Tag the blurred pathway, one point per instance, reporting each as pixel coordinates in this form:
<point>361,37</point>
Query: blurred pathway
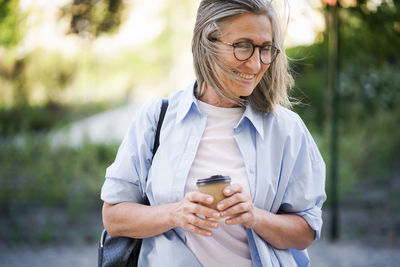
<point>322,253</point>
<point>352,254</point>
<point>106,127</point>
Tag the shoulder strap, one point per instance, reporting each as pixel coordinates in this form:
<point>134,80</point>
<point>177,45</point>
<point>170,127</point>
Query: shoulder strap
<point>164,107</point>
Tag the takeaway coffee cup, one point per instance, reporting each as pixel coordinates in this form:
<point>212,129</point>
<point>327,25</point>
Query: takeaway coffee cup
<point>214,186</point>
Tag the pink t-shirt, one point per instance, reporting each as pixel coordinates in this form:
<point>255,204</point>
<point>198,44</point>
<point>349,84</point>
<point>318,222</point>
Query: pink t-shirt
<point>218,153</point>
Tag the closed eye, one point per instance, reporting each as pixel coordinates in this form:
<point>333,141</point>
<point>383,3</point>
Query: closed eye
<point>267,48</point>
<point>243,45</point>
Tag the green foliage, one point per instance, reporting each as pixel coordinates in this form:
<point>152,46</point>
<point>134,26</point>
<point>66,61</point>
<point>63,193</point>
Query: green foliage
<point>309,68</point>
<point>90,18</point>
<point>40,76</point>
<point>11,23</point>
<point>368,151</point>
<point>374,34</point>
<point>43,77</point>
<point>24,118</point>
<point>369,91</point>
<point>36,78</point>
<point>40,119</point>
<point>45,235</point>
<point>32,172</point>
<point>369,58</point>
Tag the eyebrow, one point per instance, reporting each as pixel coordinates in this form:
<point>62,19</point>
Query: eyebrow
<point>251,41</point>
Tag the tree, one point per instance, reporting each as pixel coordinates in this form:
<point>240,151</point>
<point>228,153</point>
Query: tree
<point>11,23</point>
<point>369,89</point>
<point>90,18</point>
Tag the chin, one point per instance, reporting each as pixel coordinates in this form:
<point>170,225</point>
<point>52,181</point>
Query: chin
<point>244,91</point>
<point>245,88</point>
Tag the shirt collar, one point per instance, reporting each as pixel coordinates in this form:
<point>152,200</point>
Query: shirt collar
<point>186,103</point>
<point>256,118</point>
<point>189,101</point>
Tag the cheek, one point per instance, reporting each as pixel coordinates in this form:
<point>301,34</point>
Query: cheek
<point>233,63</point>
<point>265,68</point>
<point>221,75</point>
<point>229,60</point>
<point>263,71</point>
<point>229,65</point>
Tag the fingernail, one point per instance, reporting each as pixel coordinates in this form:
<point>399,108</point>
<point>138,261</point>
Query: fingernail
<point>223,214</point>
<point>220,206</point>
<point>227,191</point>
<point>209,234</point>
<point>210,199</point>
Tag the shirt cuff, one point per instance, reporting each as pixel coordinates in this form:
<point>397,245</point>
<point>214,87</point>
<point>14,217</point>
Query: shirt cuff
<point>116,190</point>
<point>314,220</point>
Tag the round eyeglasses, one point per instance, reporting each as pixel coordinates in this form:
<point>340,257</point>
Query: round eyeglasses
<point>245,50</point>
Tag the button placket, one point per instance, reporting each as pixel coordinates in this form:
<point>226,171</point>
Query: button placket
<point>187,159</point>
<point>248,153</point>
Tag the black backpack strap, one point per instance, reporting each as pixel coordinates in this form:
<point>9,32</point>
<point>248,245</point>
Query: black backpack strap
<point>123,251</point>
<point>164,107</point>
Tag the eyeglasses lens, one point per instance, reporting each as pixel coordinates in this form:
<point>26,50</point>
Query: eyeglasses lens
<point>268,54</point>
<point>244,51</point>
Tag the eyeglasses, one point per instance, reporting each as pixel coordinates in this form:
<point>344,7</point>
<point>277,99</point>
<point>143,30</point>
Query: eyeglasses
<point>245,50</point>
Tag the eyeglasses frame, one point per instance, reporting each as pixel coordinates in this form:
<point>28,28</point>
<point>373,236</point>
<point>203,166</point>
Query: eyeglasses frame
<point>254,49</point>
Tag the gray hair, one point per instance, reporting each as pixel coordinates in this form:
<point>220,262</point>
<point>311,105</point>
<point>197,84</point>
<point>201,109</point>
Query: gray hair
<point>212,15</point>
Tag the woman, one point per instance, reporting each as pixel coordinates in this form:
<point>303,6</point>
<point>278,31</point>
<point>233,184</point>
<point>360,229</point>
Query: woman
<point>231,121</point>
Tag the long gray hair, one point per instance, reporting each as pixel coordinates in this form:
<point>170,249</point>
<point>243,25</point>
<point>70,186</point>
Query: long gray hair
<point>211,18</point>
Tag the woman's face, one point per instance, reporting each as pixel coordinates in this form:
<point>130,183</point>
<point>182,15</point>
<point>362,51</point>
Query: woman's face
<point>249,28</point>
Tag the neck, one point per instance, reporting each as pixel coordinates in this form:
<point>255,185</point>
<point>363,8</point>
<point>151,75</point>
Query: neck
<point>210,97</point>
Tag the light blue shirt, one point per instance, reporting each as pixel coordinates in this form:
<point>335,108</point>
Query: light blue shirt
<point>285,170</point>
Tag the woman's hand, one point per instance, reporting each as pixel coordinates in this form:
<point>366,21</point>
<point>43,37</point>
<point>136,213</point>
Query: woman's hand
<point>186,213</point>
<point>238,206</point>
<point>282,231</point>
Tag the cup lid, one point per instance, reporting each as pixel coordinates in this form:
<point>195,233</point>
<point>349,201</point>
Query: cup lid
<point>215,179</point>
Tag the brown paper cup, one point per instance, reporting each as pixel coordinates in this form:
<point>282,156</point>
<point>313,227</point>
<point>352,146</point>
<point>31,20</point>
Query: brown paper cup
<point>214,186</point>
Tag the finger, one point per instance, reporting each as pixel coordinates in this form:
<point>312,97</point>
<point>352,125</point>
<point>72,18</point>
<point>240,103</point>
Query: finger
<point>201,222</point>
<point>236,209</point>
<point>195,208</point>
<point>242,218</point>
<point>196,225</point>
<point>199,197</point>
<point>229,190</point>
<point>232,200</point>
<point>207,212</point>
<point>197,230</point>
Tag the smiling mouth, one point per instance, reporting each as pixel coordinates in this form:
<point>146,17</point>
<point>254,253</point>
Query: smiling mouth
<point>244,75</point>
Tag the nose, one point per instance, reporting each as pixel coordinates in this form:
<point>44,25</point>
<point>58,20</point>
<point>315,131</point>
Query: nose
<point>254,62</point>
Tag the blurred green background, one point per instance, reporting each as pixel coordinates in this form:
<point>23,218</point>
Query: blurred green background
<point>62,61</point>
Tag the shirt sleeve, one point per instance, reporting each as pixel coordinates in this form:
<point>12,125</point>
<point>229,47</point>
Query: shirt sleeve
<point>305,192</point>
<point>127,175</point>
